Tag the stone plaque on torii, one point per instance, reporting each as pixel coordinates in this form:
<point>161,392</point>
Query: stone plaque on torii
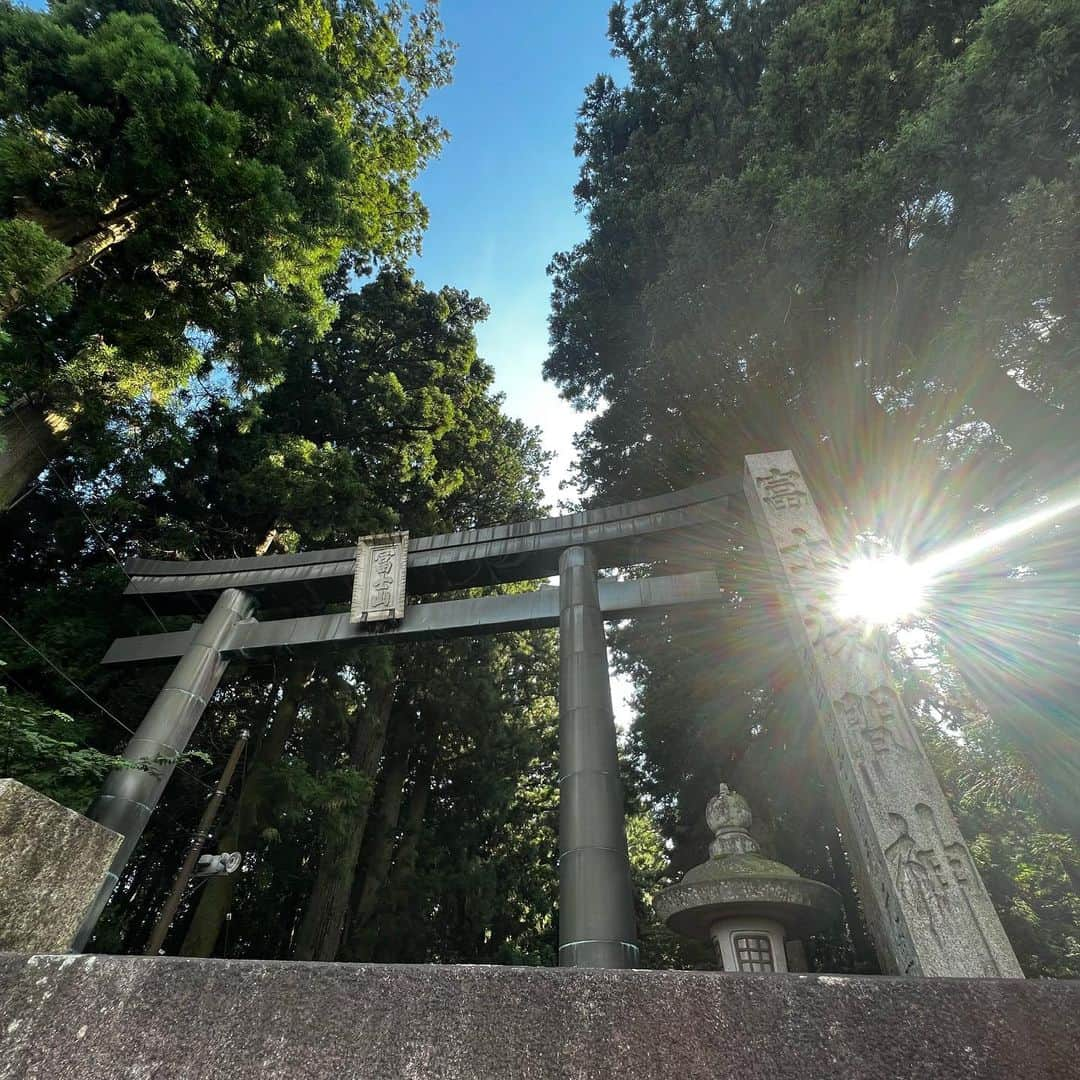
<point>926,906</point>
<point>378,593</point>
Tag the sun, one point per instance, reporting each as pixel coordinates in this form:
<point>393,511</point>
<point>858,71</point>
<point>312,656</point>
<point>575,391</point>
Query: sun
<point>880,590</point>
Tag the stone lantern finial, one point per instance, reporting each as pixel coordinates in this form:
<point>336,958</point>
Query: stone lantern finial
<point>754,909</point>
<point>728,816</point>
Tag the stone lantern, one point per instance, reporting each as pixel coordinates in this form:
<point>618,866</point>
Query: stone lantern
<point>755,910</point>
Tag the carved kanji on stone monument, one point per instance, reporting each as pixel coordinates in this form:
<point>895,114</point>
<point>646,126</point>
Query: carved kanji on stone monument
<point>927,907</point>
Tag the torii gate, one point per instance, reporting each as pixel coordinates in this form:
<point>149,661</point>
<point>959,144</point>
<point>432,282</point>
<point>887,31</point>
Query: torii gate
<point>927,908</point>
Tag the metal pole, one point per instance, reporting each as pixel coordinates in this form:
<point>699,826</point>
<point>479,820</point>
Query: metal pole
<point>596,905</point>
<point>198,841</point>
<point>129,796</point>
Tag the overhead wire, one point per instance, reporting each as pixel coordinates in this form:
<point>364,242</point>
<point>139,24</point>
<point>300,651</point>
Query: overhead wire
<point>55,471</point>
<point>86,694</point>
<point>53,468</point>
<point>177,826</point>
<point>64,675</point>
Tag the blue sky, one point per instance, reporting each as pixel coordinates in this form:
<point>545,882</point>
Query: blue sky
<point>500,195</point>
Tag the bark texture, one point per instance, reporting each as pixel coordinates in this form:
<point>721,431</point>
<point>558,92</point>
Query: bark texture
<point>323,924</point>
<point>84,249</point>
<point>217,894</point>
<point>31,437</point>
<point>389,869</point>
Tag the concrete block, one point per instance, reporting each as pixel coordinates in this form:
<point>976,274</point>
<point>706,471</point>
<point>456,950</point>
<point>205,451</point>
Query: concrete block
<point>52,863</point>
<point>104,1017</point>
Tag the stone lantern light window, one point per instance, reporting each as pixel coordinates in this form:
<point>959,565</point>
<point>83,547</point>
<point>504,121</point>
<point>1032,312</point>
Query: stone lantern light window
<point>753,952</point>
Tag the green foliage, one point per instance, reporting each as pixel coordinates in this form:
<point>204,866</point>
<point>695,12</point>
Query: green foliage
<point>849,229</point>
<point>484,888</point>
<point>28,260</point>
<point>196,174</point>
<point>386,420</point>
<point>1032,871</point>
<point>844,227</point>
<point>41,747</point>
<point>785,205</point>
<point>45,749</point>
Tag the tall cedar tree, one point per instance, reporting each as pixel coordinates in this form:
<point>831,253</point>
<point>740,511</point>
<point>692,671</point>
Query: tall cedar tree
<point>177,180</point>
<point>847,227</point>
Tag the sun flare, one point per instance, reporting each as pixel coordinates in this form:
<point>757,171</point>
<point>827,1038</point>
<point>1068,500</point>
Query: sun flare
<point>880,590</point>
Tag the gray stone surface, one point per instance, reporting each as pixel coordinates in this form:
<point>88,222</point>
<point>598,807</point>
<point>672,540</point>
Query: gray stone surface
<point>800,905</point>
<point>378,590</point>
<point>52,863</point>
<point>926,905</point>
<point>737,880</point>
<point>103,1018</point>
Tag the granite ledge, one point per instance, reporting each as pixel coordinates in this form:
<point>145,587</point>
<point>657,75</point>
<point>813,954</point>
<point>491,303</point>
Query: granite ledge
<point>90,1017</point>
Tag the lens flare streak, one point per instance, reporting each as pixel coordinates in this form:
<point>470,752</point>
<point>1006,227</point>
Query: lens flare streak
<point>964,551</point>
<point>886,589</point>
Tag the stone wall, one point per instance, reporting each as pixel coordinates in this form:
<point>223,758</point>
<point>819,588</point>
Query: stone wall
<point>52,864</point>
<point>94,1017</point>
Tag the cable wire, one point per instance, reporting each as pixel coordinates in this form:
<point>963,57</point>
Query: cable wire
<point>89,697</point>
<point>64,675</point>
<point>177,827</point>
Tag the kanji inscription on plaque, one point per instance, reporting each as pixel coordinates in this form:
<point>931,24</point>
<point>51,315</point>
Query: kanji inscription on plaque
<point>379,579</point>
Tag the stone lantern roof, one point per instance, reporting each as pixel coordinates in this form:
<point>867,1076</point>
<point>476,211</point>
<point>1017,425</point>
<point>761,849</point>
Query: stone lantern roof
<point>738,880</point>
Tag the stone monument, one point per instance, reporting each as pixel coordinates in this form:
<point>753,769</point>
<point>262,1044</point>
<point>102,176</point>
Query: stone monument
<point>927,908</point>
<point>52,863</point>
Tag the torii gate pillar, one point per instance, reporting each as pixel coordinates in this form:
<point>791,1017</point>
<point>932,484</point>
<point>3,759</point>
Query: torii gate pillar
<point>596,902</point>
<point>129,796</point>
<point>926,905</point>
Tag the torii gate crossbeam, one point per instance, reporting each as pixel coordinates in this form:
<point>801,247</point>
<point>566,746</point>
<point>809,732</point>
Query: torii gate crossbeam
<point>596,914</point>
<point>926,906</point>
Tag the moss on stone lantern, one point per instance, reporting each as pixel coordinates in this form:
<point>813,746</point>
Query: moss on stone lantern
<point>755,910</point>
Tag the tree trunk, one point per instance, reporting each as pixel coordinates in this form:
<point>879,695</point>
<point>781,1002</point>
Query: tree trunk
<point>381,849</point>
<point>112,230</point>
<point>266,543</point>
<point>217,893</point>
<point>31,437</point>
<point>408,849</point>
<point>323,924</point>
<point>380,866</point>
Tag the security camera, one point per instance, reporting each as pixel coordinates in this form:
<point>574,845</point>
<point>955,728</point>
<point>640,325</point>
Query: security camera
<point>228,862</point>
